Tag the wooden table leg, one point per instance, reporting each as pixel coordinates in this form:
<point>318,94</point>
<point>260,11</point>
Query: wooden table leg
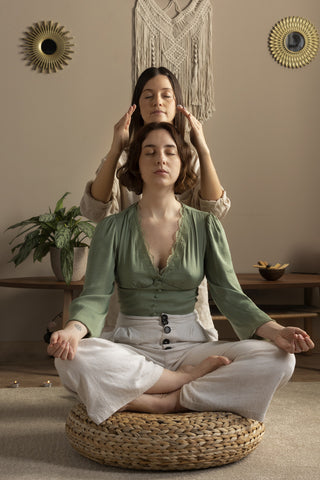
<point>68,295</point>
<point>307,322</point>
<point>67,299</point>
<point>308,301</point>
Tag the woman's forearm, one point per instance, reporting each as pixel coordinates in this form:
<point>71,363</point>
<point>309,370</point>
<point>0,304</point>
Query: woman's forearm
<point>101,188</point>
<point>210,187</point>
<point>269,330</point>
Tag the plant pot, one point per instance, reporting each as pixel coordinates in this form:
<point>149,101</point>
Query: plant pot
<point>79,263</point>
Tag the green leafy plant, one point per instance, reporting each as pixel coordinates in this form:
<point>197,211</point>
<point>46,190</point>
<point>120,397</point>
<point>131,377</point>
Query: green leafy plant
<point>63,229</point>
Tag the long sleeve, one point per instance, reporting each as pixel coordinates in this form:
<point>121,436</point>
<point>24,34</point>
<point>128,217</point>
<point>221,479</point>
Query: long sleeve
<point>193,199</point>
<point>91,307</point>
<point>96,210</point>
<point>219,207</point>
<point>121,198</point>
<point>244,316</point>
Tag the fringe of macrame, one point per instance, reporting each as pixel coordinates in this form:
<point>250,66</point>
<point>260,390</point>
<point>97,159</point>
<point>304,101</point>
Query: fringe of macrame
<point>183,45</point>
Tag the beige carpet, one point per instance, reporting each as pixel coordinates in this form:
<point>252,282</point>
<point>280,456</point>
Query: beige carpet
<point>33,445</point>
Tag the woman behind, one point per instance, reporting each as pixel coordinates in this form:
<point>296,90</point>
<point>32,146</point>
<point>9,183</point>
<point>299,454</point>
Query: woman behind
<point>157,97</point>
<point>159,358</point>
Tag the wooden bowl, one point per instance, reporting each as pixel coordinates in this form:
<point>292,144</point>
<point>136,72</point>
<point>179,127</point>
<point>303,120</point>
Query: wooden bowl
<point>271,273</point>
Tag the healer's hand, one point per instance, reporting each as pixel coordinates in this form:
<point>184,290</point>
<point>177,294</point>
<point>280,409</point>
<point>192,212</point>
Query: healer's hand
<point>196,131</point>
<point>121,131</point>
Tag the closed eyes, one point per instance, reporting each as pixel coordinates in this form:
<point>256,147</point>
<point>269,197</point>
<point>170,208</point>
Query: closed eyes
<point>151,94</point>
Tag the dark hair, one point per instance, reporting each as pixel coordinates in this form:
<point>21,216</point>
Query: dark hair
<point>129,174</point>
<point>137,121</point>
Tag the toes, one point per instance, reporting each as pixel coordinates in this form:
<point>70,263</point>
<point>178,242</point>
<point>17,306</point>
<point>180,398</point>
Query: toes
<point>224,360</point>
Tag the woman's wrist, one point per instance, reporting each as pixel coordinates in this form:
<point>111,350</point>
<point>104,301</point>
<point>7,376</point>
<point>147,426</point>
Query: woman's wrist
<point>112,157</point>
<point>114,153</point>
<point>78,329</point>
<point>269,330</point>
<point>204,153</point>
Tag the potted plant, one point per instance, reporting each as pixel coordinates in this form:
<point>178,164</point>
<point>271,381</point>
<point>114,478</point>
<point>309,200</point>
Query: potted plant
<point>61,232</point>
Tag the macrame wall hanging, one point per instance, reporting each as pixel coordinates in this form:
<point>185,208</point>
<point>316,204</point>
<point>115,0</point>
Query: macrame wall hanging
<point>182,43</point>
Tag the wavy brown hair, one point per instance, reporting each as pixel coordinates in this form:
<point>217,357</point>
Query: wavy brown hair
<point>129,174</point>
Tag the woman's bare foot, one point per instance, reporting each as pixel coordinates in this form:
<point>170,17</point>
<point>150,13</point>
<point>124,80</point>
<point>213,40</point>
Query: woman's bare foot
<point>159,403</point>
<point>207,365</point>
<point>154,401</point>
<point>170,381</point>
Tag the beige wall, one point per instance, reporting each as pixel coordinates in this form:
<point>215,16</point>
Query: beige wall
<point>55,128</point>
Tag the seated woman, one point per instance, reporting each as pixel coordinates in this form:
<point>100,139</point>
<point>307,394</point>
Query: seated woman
<point>159,358</point>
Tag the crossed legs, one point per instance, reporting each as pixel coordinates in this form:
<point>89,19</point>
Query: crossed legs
<point>164,395</point>
<point>243,380</point>
<point>239,377</point>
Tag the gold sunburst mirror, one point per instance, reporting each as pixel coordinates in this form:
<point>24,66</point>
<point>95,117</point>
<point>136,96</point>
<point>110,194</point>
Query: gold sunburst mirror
<point>47,47</point>
<point>293,42</point>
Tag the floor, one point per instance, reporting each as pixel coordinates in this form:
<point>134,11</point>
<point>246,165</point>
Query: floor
<point>29,364</point>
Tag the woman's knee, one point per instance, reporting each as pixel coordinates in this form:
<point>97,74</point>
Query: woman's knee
<point>264,356</point>
<point>288,366</point>
<point>277,360</point>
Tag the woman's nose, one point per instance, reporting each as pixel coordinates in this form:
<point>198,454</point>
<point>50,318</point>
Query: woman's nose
<point>158,99</point>
<point>161,158</point>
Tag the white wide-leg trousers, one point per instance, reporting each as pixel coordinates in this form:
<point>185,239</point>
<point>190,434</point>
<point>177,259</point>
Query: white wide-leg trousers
<point>108,374</point>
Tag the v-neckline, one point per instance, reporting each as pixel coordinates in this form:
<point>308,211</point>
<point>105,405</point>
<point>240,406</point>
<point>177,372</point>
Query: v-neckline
<point>160,271</point>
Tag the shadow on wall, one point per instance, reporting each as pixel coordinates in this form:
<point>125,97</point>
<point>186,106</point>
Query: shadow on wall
<point>305,261</point>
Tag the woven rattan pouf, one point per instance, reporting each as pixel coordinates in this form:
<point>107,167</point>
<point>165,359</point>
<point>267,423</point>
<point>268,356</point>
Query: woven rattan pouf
<point>176,441</point>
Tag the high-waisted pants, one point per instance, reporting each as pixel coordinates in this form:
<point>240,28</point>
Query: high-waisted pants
<point>106,374</point>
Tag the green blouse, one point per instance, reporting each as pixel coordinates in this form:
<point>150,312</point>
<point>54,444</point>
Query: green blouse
<point>119,254</point>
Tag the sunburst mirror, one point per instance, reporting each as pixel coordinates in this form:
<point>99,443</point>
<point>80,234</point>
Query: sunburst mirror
<point>293,42</point>
<point>47,47</point>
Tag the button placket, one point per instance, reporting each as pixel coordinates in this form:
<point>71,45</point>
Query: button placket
<point>164,320</point>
